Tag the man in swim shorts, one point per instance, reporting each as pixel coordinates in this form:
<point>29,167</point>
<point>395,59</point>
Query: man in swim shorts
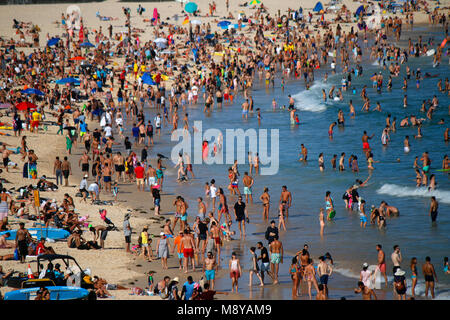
<point>276,257</point>
<point>248,183</point>
<point>210,267</point>
<point>382,263</point>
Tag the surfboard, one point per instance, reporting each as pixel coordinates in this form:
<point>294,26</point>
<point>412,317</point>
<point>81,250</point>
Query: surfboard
<point>56,293</point>
<point>50,233</point>
<point>443,170</point>
<point>431,52</point>
<point>6,128</point>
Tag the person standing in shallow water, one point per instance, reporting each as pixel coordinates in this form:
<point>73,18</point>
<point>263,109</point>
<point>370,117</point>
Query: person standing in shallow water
<point>433,209</point>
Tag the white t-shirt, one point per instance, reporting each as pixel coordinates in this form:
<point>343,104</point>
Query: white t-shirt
<point>212,191</point>
<point>108,131</point>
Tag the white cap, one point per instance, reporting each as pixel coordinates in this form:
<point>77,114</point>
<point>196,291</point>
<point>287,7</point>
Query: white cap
<point>365,265</point>
<point>86,176</point>
<point>399,273</point>
<point>162,234</point>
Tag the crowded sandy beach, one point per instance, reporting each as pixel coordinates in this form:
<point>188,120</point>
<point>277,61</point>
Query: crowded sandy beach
<point>119,182</point>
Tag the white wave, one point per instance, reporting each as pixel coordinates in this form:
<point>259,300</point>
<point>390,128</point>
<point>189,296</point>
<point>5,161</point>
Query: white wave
<point>399,191</point>
<point>311,100</point>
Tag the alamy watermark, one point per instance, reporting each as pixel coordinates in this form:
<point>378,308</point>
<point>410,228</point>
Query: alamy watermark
<point>214,147</point>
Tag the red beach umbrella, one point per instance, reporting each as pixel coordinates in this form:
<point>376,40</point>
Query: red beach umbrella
<point>78,58</point>
<point>22,106</point>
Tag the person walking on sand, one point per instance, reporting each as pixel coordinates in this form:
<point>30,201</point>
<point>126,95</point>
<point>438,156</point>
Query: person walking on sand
<point>188,250</point>
<point>430,274</point>
<point>127,231</point>
<point>248,183</point>
<point>240,213</point>
<point>66,170</point>
<point>265,198</point>
<point>235,271</point>
<point>254,269</point>
<point>209,268</point>
<point>276,257</point>
<point>285,200</point>
<point>310,277</point>
<point>163,248</point>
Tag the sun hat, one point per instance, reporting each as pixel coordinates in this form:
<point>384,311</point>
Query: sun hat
<point>176,279</point>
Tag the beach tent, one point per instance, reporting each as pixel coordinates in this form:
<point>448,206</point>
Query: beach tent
<point>318,7</point>
<point>359,10</point>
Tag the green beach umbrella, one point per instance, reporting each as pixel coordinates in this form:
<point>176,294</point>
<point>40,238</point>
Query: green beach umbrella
<point>191,7</point>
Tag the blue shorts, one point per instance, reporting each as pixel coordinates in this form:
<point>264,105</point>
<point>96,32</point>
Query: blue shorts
<point>157,201</point>
<point>324,279</point>
<point>363,219</point>
<point>210,274</point>
<point>184,217</point>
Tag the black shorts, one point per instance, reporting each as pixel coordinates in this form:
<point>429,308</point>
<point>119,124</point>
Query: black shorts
<point>103,234</point>
<point>108,150</point>
<point>202,236</point>
<point>127,239</point>
<point>5,161</point>
<point>120,168</point>
<point>85,167</point>
<point>66,173</point>
<point>142,135</point>
<point>240,218</point>
<point>219,99</point>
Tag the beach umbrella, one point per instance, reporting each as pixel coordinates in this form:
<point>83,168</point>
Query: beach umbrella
<point>155,16</point>
<point>25,105</point>
<point>253,2</point>
<point>87,44</point>
<point>196,22</point>
<point>191,7</point>
<point>52,42</point>
<point>236,26</point>
<point>33,91</point>
<point>209,36</point>
<point>224,24</point>
<point>318,7</point>
<point>147,79</point>
<point>78,58</point>
<point>68,80</point>
<point>359,10</point>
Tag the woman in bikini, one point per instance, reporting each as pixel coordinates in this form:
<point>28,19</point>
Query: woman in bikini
<point>265,198</point>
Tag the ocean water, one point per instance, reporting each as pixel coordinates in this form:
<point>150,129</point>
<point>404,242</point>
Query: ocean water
<point>393,179</point>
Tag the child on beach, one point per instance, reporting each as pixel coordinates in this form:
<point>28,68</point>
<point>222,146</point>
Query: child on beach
<point>115,190</point>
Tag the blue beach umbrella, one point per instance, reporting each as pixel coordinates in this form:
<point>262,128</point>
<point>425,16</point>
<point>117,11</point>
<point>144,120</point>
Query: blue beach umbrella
<point>52,42</point>
<point>68,80</point>
<point>191,7</point>
<point>87,44</point>
<point>33,91</point>
<point>147,79</point>
<point>318,7</point>
<point>359,10</point>
<point>209,36</point>
<point>223,24</point>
